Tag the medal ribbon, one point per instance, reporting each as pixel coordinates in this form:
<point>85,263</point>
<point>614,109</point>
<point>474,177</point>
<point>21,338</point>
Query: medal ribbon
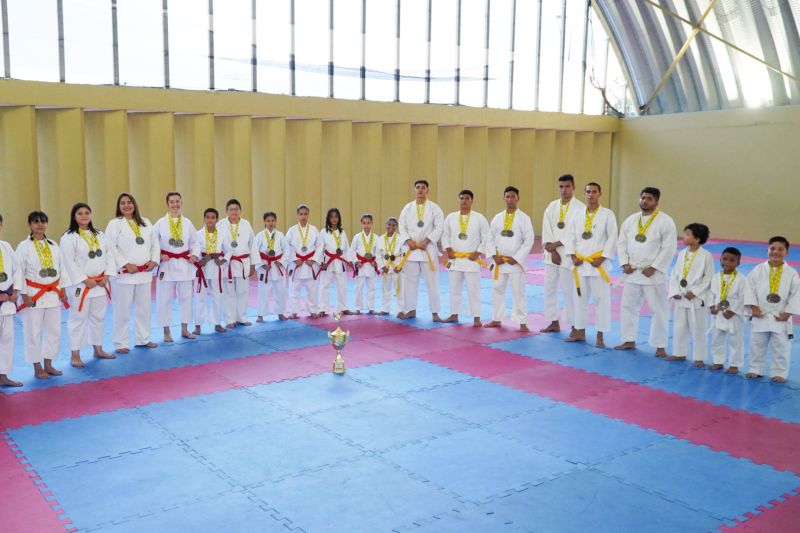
<point>44,253</point>
<point>211,241</point>
<point>389,245</point>
<point>2,263</point>
<point>367,247</point>
<point>775,278</point>
<point>462,224</point>
<point>687,265</point>
<point>175,228</point>
<point>724,286</point>
<point>271,241</point>
<point>234,230</point>
<point>587,226</point>
<point>508,221</point>
<point>643,229</point>
<point>90,239</point>
<point>134,227</point>
<point>303,238</point>
<point>420,212</point>
<point>562,211</point>
<point>337,236</point>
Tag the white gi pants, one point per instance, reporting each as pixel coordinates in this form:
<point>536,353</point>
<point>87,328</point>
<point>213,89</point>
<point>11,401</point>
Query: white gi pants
<point>165,292</point>
<point>340,278</point>
<point>276,287</point>
<point>656,295</point>
<point>41,329</point>
<point>599,291</point>
<point>86,325</point>
<point>235,292</point>
<point>6,343</point>
<point>389,283</point>
<point>411,272</point>
<point>781,353</point>
<point>209,304</point>
<point>473,279</point>
<point>127,295</point>
<point>734,340</point>
<point>519,302</point>
<point>690,323</point>
<point>555,277</point>
<point>369,302</point>
<point>310,285</point>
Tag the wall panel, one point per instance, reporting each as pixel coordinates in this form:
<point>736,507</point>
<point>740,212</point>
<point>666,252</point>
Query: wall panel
<point>337,170</point>
<point>106,161</point>
<point>268,138</point>
<point>476,145</point>
<point>396,170</point>
<point>233,167</point>
<point>303,169</point>
<point>151,160</point>
<point>19,171</point>
<point>498,169</point>
<point>194,165</point>
<point>367,167</point>
<point>450,167</point>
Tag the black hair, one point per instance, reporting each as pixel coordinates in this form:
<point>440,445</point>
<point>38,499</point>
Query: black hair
<point>136,216</point>
<point>172,193</point>
<point>268,214</point>
<point>700,231</point>
<point>232,201</point>
<point>778,238</point>
<point>1,219</point>
<point>366,215</point>
<point>302,206</point>
<point>652,190</point>
<point>733,251</point>
<point>467,192</point>
<point>210,210</point>
<point>392,218</point>
<point>599,188</point>
<point>511,188</point>
<point>328,226</point>
<point>73,225</point>
<point>424,182</point>
<point>567,177</point>
<point>38,216</point>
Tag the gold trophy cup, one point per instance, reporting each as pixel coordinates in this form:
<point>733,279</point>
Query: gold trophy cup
<point>338,340</point>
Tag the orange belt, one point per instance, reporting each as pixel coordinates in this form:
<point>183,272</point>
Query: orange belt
<point>86,290</point>
<point>44,288</point>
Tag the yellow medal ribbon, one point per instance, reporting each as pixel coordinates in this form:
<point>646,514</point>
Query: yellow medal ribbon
<point>90,239</point>
<point>562,210</point>
<point>775,274</point>
<point>587,225</point>
<point>389,247</point>
<point>303,238</point>
<point>134,227</point>
<point>367,246</point>
<point>463,224</point>
<point>211,241</point>
<point>44,253</point>
<point>724,286</point>
<point>420,212</point>
<point>2,263</point>
<point>234,230</point>
<point>175,228</point>
<point>465,255</point>
<point>643,228</point>
<point>589,259</point>
<point>687,266</point>
<point>337,236</point>
<point>271,241</point>
<point>508,221</point>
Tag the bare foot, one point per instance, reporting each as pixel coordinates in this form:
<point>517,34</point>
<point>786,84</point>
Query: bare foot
<point>401,315</point>
<point>494,324</point>
<point>578,335</point>
<point>150,344</point>
<point>315,315</point>
<point>732,370</point>
<point>553,327</point>
<point>524,328</point>
<point>752,375</point>
<point>413,314</point>
<point>122,351</point>
<point>196,330</point>
<point>699,364</point>
<point>358,312</point>
<point>50,369</point>
<point>100,353</point>
<point>168,337</point>
<point>186,335</point>
<point>661,352</point>
<point>40,373</point>
<point>5,382</point>
<point>260,320</point>
<point>435,316</point>
<point>715,367</point>
<point>626,346</point>
<point>283,317</point>
<point>778,379</point>
<point>75,360</point>
<point>245,323</point>
<point>450,319</point>
<point>294,316</point>
<point>383,313</point>
<point>599,342</point>
<point>476,322</point>
<point>676,358</point>
<point>220,329</point>
<point>231,325</point>
<point>347,312</point>
<point>371,312</point>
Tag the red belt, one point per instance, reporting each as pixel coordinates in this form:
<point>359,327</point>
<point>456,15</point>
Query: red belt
<point>334,257</point>
<point>43,289</point>
<point>271,259</point>
<point>185,255</point>
<point>370,260</point>
<point>86,290</point>
<point>237,258</point>
<point>203,276</point>
<point>141,268</point>
<point>305,258</point>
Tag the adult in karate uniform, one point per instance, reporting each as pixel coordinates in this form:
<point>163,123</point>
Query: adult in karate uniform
<point>465,239</point>
<point>136,253</point>
<point>557,266</point>
<point>11,283</point>
<point>421,225</point>
<point>646,246</point>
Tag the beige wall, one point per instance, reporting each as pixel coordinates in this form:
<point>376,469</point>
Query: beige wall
<point>736,171</point>
<point>63,143</point>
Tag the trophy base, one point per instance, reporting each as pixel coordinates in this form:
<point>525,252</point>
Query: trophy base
<point>338,365</point>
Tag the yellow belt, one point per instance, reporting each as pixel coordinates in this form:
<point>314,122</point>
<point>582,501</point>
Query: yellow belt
<point>405,258</point>
<point>588,259</point>
<point>466,255</point>
<point>391,266</point>
<point>505,259</point>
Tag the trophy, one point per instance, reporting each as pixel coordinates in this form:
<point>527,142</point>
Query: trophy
<point>338,340</point>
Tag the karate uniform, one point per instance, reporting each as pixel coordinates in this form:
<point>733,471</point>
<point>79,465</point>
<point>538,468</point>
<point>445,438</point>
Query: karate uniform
<point>556,276</point>
<point>592,283</point>
<point>425,262</point>
<point>14,281</point>
<point>271,273</point>
<point>303,276</point>
<point>691,316</point>
<point>390,281</point>
<point>86,323</point>
<point>767,331</point>
<point>728,331</point>
<point>175,276</point>
<point>657,252</point>
<point>368,272</point>
<point>236,275</point>
<point>517,246</point>
<point>209,297</point>
<point>132,291</point>
<point>462,269</point>
<point>41,323</point>
<point>336,270</point>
